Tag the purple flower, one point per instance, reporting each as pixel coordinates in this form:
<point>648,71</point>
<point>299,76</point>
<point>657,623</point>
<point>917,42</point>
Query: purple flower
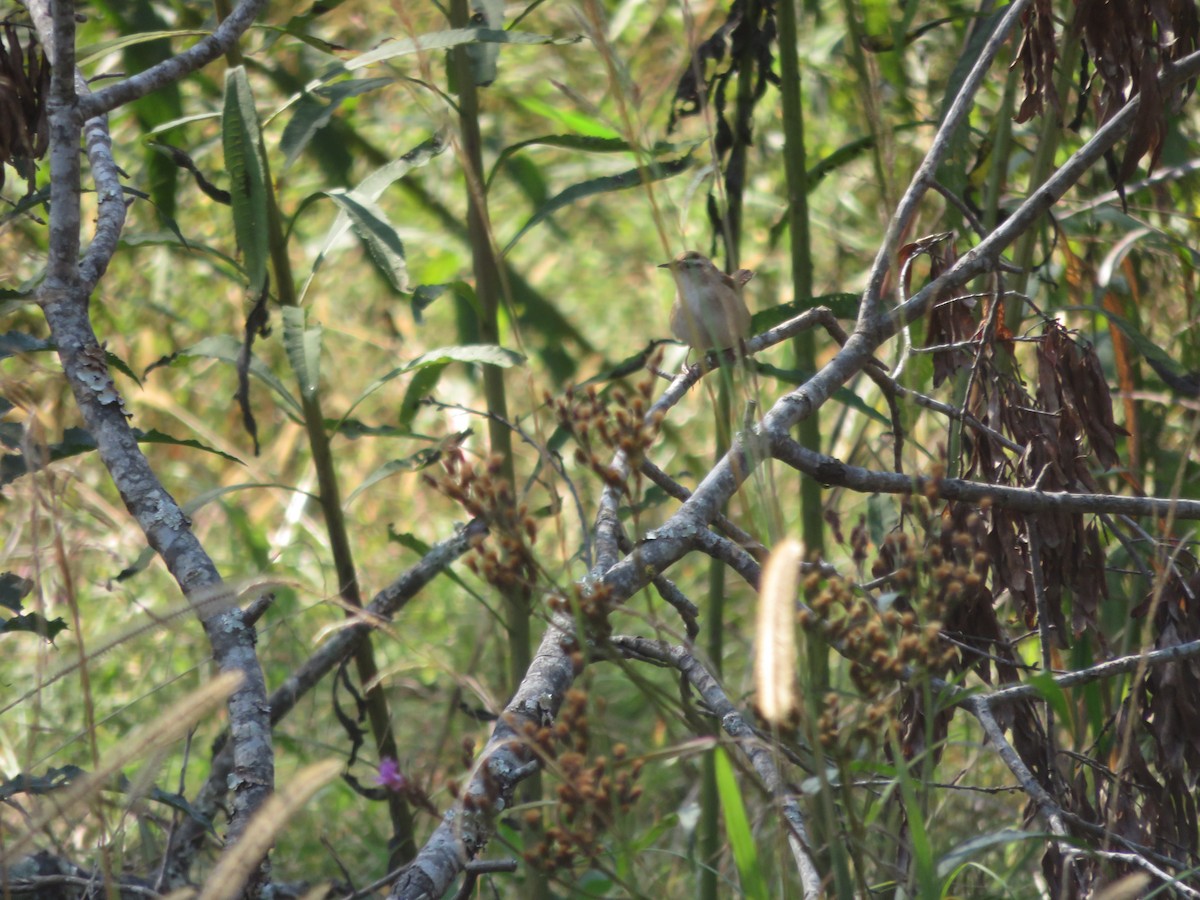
<point>390,776</point>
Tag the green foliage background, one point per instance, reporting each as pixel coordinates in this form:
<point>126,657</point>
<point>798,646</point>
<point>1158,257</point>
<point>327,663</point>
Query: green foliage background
<point>581,295</point>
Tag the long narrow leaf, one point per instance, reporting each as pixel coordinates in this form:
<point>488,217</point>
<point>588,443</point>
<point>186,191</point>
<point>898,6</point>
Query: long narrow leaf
<point>77,441</point>
<point>424,457</point>
<point>303,346</point>
<point>737,829</point>
<point>488,354</point>
<point>242,143</point>
<point>607,184</point>
<point>368,191</point>
<point>444,40</point>
<point>226,349</point>
<point>314,110</point>
<point>586,143</point>
<point>377,234</point>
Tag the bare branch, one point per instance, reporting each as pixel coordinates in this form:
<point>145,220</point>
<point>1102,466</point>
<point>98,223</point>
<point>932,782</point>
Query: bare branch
<point>757,751</point>
<point>1100,671</point>
<point>383,606</point>
<point>506,760</point>
<point>160,75</point>
<point>831,471</point>
<point>869,312</point>
<point>1050,811</point>
<point>63,297</point>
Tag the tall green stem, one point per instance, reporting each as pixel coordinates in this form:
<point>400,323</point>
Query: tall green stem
<point>488,291</point>
<point>804,347</point>
<point>404,846</point>
<point>805,353</point>
<point>404,842</point>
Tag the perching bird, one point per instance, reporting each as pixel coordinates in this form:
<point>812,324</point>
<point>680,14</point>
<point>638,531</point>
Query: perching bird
<point>709,312</point>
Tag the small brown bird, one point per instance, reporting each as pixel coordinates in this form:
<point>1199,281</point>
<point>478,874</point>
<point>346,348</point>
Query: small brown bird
<point>709,312</point>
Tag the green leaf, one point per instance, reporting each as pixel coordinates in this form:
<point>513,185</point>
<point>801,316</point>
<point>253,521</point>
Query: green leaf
<point>408,540</point>
<point>486,354</point>
<point>594,883</point>
<point>737,829</point>
<point>976,845</point>
<point>356,428</point>
<point>444,40</point>
<point>378,235</point>
<point>74,442</point>
<point>367,191</point>
<point>90,53</point>
<point>242,141</point>
<point>54,780</point>
<point>413,463</point>
<point>527,176</point>
<point>568,118</point>
<point>175,801</point>
<point>843,306</point>
<point>154,436</point>
<point>198,252</point>
<point>423,297</point>
<point>586,143</point>
<point>1052,693</point>
<point>226,349</point>
<point>1145,346</point>
<point>842,395</point>
<point>14,342</point>
<point>303,346</point>
<point>607,184</point>
<point>420,387</point>
<point>77,441</point>
<point>842,156</point>
<point>22,206</point>
<point>313,111</point>
<point>483,56</point>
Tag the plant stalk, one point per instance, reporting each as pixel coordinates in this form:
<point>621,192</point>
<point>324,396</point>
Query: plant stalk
<point>403,845</point>
<point>488,291</point>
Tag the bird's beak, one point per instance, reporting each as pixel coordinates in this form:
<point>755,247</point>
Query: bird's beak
<point>664,265</point>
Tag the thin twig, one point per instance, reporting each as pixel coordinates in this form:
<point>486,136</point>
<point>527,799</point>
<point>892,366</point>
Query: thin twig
<point>831,471</point>
<point>760,756</point>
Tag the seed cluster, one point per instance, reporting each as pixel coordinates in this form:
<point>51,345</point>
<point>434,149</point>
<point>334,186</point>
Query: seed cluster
<point>898,635</point>
<point>605,424</point>
<point>590,794</point>
<point>510,564</point>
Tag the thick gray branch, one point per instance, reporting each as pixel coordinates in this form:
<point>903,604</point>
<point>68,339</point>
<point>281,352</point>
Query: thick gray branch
<point>63,297</point>
<point>169,532</point>
<point>341,646</point>
<point>504,762</point>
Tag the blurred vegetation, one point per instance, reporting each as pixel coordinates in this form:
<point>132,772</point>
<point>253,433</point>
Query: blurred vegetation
<point>587,189</point>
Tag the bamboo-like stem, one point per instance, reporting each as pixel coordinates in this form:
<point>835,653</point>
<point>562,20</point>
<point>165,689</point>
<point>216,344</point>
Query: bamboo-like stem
<point>488,291</point>
<point>804,346</point>
<point>403,844</point>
